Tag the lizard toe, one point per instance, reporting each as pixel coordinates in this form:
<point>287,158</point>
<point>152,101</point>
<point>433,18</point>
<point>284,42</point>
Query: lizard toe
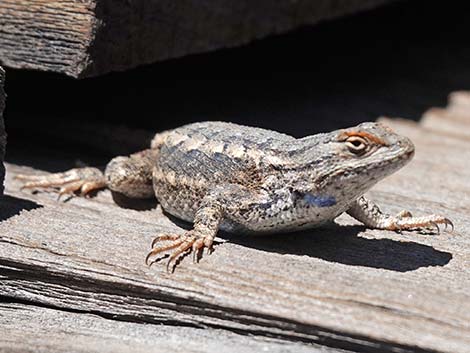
<point>158,249</point>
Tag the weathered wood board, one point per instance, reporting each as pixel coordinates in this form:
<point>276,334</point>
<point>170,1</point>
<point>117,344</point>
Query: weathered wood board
<point>3,136</point>
<point>342,286</point>
<point>92,37</point>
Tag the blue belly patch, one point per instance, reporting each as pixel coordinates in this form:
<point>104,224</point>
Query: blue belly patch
<point>319,201</point>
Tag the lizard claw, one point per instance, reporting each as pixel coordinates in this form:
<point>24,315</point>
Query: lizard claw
<point>448,222</point>
<point>435,225</point>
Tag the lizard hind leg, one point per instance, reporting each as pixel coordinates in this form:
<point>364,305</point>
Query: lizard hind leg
<point>81,180</point>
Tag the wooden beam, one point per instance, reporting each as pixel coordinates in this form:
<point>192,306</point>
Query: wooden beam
<point>92,37</point>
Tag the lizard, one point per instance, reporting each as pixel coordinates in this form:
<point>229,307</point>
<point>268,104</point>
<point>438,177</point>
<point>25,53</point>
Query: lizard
<point>224,176</point>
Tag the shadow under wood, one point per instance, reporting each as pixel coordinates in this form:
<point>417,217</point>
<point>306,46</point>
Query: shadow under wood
<point>11,206</point>
<point>342,244</point>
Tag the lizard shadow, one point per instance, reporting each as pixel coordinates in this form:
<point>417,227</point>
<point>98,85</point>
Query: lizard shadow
<point>342,244</point>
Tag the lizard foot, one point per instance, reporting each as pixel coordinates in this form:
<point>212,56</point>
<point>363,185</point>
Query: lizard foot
<point>182,244</point>
<point>79,180</point>
<point>405,221</point>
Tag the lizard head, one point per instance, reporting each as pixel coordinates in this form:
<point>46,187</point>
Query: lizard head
<point>356,158</point>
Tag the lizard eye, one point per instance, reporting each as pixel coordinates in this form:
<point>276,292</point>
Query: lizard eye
<point>356,144</point>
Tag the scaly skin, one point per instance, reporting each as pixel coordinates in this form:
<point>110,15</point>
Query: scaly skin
<point>244,179</point>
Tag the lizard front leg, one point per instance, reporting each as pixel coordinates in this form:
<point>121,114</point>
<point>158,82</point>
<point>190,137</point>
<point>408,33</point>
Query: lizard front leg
<point>217,205</point>
<point>369,213</point>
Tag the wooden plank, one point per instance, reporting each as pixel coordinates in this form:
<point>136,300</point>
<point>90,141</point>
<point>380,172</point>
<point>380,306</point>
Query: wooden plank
<point>92,37</point>
<point>3,136</point>
<point>50,330</point>
<point>342,286</point>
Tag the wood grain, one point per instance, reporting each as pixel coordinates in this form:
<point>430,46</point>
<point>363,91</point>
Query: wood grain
<point>92,37</point>
<point>342,286</point>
